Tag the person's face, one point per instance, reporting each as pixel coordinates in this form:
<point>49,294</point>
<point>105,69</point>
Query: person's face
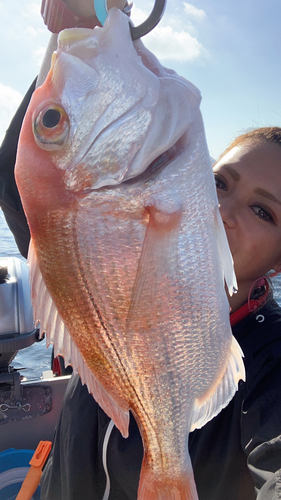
<point>248,181</point>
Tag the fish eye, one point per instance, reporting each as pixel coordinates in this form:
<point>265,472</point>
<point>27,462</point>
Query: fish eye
<point>51,127</point>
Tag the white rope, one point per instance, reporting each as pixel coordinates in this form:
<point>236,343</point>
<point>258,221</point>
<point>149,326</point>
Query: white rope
<point>104,452</point>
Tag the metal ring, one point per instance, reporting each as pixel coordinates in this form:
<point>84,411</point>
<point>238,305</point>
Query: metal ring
<point>151,21</point>
<point>260,318</point>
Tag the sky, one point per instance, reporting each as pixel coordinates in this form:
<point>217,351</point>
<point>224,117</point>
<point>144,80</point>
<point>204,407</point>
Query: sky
<point>228,49</point>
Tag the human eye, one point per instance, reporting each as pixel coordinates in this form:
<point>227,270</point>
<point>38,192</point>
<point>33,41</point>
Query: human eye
<point>220,182</point>
<point>263,213</point>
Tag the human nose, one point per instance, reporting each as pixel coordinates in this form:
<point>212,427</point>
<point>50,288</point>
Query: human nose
<point>228,211</point>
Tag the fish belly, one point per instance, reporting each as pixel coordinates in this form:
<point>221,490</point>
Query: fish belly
<point>174,346</point>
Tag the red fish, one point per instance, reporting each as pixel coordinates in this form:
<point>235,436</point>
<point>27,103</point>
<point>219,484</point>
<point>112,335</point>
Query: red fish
<point>129,255</point>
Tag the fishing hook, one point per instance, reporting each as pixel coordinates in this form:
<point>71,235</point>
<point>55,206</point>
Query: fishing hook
<point>150,23</point>
<point>136,31</point>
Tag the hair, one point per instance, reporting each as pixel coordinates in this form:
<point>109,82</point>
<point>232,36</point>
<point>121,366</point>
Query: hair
<point>267,134</point>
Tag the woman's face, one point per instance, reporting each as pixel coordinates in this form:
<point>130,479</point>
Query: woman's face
<point>248,180</point>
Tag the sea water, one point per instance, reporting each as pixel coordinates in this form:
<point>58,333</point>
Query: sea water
<point>37,358</point>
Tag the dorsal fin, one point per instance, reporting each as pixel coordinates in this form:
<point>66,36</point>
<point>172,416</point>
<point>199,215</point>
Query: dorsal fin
<point>225,254</point>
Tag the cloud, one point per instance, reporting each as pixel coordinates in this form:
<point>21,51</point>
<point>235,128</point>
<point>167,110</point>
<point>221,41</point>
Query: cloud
<point>171,42</point>
<point>9,102</point>
<point>31,11</point>
<point>30,32</point>
<point>25,34</point>
<point>139,15</point>
<point>166,43</point>
<point>38,55</point>
<point>194,12</point>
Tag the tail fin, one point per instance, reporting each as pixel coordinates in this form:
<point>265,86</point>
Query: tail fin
<point>155,488</point>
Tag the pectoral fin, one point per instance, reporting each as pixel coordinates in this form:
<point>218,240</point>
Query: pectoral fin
<point>158,257</point>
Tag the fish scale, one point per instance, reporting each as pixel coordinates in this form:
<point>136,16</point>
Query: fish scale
<point>128,254</point>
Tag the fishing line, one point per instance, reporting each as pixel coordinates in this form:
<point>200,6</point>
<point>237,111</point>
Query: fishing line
<point>104,452</point>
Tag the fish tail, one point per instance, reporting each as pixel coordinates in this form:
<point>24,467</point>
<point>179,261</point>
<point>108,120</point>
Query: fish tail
<point>180,488</point>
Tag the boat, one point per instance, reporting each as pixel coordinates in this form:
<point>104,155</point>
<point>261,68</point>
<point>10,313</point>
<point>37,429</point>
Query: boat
<point>29,409</point>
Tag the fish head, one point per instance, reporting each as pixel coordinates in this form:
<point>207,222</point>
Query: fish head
<point>106,110</point>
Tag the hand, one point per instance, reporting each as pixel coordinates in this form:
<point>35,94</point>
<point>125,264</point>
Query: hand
<point>86,8</point>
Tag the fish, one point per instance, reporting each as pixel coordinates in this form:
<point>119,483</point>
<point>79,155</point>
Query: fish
<point>128,257</point>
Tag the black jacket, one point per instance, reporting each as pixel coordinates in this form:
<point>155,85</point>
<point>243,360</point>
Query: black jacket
<point>9,196</point>
<point>236,456</point>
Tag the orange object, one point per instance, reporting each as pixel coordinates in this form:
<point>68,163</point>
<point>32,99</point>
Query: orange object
<point>33,476</point>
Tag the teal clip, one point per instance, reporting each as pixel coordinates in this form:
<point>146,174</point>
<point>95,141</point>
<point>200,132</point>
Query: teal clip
<point>138,31</point>
<point>101,10</point>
